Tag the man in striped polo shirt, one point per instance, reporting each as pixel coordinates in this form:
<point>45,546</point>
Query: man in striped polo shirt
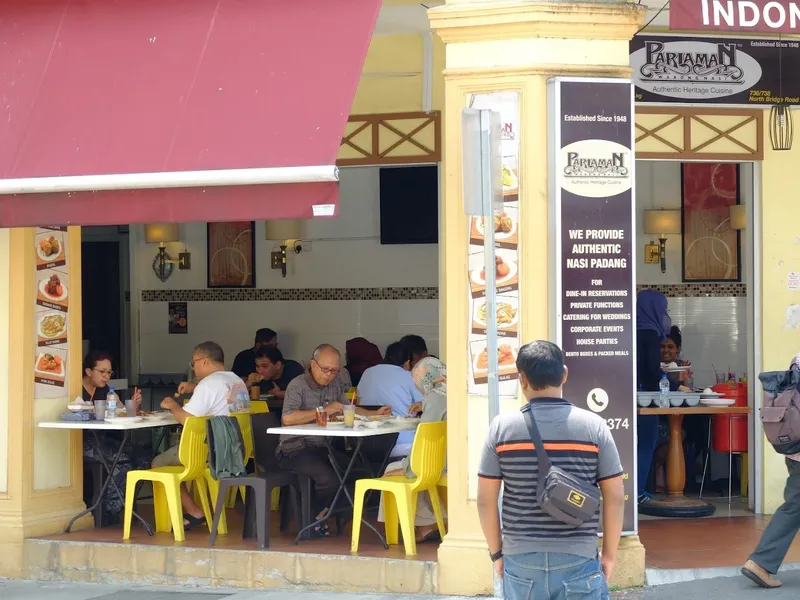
<point>538,556</point>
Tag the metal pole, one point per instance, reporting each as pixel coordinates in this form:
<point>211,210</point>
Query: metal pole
<point>490,271</point>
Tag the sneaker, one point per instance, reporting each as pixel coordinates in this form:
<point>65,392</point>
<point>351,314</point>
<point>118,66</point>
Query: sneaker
<point>759,576</point>
<point>645,497</point>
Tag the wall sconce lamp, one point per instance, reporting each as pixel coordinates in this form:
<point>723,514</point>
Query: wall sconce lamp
<point>162,234</point>
<point>661,223</point>
<point>738,216</point>
<point>289,235</point>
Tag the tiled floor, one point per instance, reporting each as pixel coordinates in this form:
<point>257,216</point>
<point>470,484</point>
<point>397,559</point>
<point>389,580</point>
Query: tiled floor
<point>704,543</point>
<point>279,542</point>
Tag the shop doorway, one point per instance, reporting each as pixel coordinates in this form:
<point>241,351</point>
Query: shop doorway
<point>710,278</point>
<point>105,280</point>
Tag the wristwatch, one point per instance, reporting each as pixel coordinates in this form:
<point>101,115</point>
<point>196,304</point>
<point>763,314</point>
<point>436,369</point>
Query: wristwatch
<point>496,556</point>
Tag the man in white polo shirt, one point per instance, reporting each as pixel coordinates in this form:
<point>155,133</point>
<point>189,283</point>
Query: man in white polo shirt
<point>217,390</point>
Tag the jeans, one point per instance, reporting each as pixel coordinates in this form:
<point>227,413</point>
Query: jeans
<point>783,526</point>
<point>553,576</point>
<point>647,433</point>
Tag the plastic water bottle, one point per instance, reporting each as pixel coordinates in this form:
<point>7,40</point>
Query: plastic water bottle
<point>112,400</point>
<point>663,389</point>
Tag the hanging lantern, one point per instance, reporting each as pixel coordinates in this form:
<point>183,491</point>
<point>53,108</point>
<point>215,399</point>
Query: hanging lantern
<point>781,128</point>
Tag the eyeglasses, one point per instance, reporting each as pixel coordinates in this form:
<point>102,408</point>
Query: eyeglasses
<point>104,373</point>
<point>327,370</point>
<point>195,360</point>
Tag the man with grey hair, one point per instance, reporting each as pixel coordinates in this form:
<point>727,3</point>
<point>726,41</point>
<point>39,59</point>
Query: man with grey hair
<point>324,384</point>
<point>216,391</point>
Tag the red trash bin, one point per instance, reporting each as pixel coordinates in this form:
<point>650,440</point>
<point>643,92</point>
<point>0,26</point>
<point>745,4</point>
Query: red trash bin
<point>729,432</point>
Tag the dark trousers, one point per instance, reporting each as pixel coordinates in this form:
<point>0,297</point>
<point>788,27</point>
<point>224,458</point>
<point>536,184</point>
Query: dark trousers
<point>315,464</point>
<point>647,434</point>
<point>783,527</point>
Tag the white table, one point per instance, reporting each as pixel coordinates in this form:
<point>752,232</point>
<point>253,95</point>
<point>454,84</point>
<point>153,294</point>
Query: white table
<point>125,428</point>
<point>359,432</point>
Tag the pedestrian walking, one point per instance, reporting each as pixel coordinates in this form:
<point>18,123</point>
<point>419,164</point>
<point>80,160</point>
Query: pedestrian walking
<point>550,457</point>
<point>780,416</point>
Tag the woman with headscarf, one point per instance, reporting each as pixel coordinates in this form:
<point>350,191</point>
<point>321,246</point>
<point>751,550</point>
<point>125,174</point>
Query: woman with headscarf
<point>360,354</point>
<point>430,377</point>
<point>653,325</point>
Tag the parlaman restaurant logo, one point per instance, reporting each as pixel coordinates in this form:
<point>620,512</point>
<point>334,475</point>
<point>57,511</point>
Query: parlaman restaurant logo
<point>692,69</point>
<point>596,168</point>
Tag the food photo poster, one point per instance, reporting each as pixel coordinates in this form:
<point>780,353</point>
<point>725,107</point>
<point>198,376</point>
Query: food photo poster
<point>505,224</point>
<point>51,312</point>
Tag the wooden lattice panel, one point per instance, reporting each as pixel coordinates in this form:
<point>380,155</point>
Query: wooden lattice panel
<point>699,133</point>
<point>392,138</point>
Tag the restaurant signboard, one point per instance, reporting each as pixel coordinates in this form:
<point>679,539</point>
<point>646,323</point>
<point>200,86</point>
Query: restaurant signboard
<point>714,70</point>
<point>506,236</point>
<point>752,16</point>
<point>51,312</point>
<point>592,211</point>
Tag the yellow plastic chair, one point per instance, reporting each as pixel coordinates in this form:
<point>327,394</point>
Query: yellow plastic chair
<point>442,484</point>
<point>193,454</point>
<point>400,492</point>
<point>258,406</point>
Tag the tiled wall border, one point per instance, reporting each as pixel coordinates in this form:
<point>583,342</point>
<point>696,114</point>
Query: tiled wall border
<point>699,290</point>
<point>678,290</point>
<point>290,294</point>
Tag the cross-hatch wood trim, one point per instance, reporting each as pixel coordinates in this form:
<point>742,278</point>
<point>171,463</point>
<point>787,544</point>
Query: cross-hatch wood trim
<point>375,123</point>
<point>692,119</point>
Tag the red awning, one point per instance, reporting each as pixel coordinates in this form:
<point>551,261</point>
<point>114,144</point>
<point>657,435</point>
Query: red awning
<point>243,89</point>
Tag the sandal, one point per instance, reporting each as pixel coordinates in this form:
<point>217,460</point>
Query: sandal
<point>192,522</point>
<point>431,536</point>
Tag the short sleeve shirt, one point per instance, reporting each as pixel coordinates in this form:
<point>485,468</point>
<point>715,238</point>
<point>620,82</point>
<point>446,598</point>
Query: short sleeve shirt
<point>577,441</point>
<point>291,370</point>
<point>303,393</point>
<point>215,393</point>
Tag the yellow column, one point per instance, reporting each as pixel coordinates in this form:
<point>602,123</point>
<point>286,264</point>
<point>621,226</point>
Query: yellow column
<point>41,484</point>
<point>780,305</point>
<point>495,46</point>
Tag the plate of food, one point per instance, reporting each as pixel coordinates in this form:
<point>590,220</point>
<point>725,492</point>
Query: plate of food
<point>52,325</point>
<point>506,314</point>
<point>717,401</point>
<point>673,367</point>
<point>50,365</point>
<point>119,419</point>
<point>156,415</point>
<point>49,248</point>
<point>506,358</point>
<point>504,271</point>
<point>79,405</point>
<point>504,226</point>
<point>53,288</point>
<point>510,181</point>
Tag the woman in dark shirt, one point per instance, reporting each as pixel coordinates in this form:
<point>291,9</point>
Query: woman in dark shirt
<point>652,325</point>
<point>96,375</point>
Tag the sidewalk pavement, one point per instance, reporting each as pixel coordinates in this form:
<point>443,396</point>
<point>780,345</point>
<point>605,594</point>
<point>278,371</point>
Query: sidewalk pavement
<point>723,588</point>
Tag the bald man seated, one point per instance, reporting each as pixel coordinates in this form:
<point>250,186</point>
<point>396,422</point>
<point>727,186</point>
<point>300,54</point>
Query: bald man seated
<point>323,384</point>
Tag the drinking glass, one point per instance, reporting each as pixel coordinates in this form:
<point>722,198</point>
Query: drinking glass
<point>349,415</point>
<point>100,410</point>
<point>322,417</point>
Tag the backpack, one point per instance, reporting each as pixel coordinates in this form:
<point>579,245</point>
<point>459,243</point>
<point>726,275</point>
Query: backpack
<point>780,410</point>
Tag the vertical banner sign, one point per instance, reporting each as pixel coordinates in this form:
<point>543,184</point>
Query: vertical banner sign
<point>506,235</point>
<point>51,313</point>
<point>592,163</point>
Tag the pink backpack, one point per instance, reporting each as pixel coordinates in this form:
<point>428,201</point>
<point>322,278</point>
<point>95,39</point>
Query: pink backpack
<point>780,410</point>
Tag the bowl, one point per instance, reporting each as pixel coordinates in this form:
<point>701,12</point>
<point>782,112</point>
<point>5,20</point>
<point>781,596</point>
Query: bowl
<point>692,399</point>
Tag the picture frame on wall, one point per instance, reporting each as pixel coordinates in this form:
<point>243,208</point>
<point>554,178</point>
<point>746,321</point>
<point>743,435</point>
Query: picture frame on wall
<point>711,248</point>
<point>231,251</point>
